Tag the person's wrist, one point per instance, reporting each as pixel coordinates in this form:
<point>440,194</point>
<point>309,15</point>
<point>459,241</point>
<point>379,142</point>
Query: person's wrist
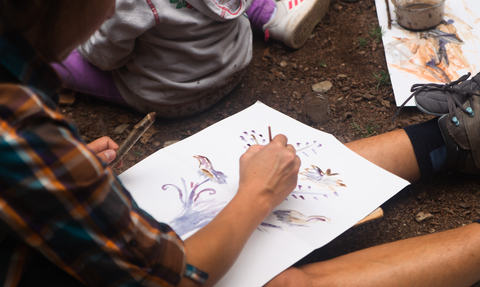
<point>258,203</point>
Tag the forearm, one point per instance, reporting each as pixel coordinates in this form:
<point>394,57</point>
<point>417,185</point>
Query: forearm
<point>214,248</point>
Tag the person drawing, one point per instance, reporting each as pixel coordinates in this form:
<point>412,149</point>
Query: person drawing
<point>66,220</point>
<point>180,57</point>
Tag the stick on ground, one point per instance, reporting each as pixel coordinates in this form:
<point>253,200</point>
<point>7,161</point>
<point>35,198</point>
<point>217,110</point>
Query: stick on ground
<point>133,137</point>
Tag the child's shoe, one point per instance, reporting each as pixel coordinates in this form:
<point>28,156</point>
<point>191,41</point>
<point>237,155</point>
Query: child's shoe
<point>295,20</point>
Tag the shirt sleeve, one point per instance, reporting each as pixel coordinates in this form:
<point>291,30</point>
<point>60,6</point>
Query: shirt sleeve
<point>60,199</point>
<point>112,45</point>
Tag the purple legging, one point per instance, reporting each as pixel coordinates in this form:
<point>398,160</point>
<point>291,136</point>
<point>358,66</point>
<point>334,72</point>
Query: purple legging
<point>79,75</point>
<point>260,12</point>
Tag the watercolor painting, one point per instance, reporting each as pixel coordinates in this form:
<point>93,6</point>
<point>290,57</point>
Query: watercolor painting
<point>434,55</point>
<point>188,183</point>
<point>439,55</point>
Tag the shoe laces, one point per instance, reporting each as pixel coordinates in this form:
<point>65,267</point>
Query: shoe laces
<point>452,102</point>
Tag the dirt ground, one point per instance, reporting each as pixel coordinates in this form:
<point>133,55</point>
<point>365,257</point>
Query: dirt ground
<point>345,50</point>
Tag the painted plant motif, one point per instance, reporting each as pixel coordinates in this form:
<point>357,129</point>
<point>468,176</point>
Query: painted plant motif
<point>295,218</point>
<point>196,211</point>
<point>253,138</point>
<point>325,184</point>
<point>206,169</point>
<point>292,218</point>
<point>434,55</point>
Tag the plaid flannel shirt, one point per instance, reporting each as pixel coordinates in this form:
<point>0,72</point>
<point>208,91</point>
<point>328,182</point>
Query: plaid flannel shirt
<point>58,199</point>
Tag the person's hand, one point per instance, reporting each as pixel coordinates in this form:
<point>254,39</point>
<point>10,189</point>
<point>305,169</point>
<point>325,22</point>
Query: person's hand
<point>104,148</point>
<point>268,174</point>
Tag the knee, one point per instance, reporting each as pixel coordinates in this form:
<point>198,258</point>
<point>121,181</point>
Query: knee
<point>290,277</point>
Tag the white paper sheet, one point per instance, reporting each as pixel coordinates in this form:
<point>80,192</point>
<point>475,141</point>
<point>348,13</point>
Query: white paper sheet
<point>407,52</point>
<point>169,185</point>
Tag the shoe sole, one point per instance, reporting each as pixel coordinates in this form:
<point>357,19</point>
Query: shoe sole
<point>305,27</point>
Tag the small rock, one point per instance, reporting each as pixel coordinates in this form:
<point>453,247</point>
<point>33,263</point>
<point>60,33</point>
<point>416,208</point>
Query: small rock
<point>311,36</point>
<point>283,64</point>
<point>120,129</point>
<point>342,76</point>
<point>294,66</point>
<point>463,205</point>
<point>322,87</point>
<point>297,95</point>
<point>422,216</point>
<point>346,116</point>
<point>346,88</point>
<point>368,96</point>
<point>362,52</point>
<point>281,76</point>
<point>167,143</point>
<point>340,99</point>
<point>385,103</point>
<point>356,100</point>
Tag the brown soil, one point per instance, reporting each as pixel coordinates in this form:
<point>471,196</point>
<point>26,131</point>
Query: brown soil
<point>280,77</point>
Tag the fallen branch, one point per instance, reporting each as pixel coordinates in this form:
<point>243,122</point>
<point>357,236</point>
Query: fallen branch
<point>133,137</point>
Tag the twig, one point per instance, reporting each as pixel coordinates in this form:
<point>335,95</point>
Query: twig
<point>269,133</point>
<point>133,137</point>
<point>389,17</point>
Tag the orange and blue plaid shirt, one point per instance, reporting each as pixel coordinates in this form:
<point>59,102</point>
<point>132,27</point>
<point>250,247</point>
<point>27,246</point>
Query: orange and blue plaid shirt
<point>59,200</point>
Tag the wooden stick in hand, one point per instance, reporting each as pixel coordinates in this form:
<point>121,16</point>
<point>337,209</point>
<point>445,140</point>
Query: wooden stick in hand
<point>133,137</point>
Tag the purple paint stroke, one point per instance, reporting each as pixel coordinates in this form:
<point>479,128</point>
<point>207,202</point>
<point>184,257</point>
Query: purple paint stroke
<point>294,196</point>
<point>305,154</point>
<point>301,196</point>
<point>194,214</point>
<point>265,224</point>
<point>180,194</point>
<point>314,151</point>
<point>212,192</point>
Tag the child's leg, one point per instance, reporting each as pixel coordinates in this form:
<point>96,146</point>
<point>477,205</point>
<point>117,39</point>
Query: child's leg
<point>260,12</point>
<point>79,75</point>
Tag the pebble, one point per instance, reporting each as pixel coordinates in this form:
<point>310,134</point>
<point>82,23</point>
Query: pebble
<point>167,143</point>
<point>368,96</point>
<point>342,76</point>
<point>422,216</point>
<point>120,129</point>
<point>322,87</point>
<point>283,64</point>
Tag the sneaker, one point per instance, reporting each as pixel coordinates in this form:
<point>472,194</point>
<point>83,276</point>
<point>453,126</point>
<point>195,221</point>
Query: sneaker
<point>461,133</point>
<point>295,20</point>
<point>432,99</point>
<point>439,99</point>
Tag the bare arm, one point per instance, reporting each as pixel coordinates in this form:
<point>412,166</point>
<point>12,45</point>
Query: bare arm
<point>267,176</point>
